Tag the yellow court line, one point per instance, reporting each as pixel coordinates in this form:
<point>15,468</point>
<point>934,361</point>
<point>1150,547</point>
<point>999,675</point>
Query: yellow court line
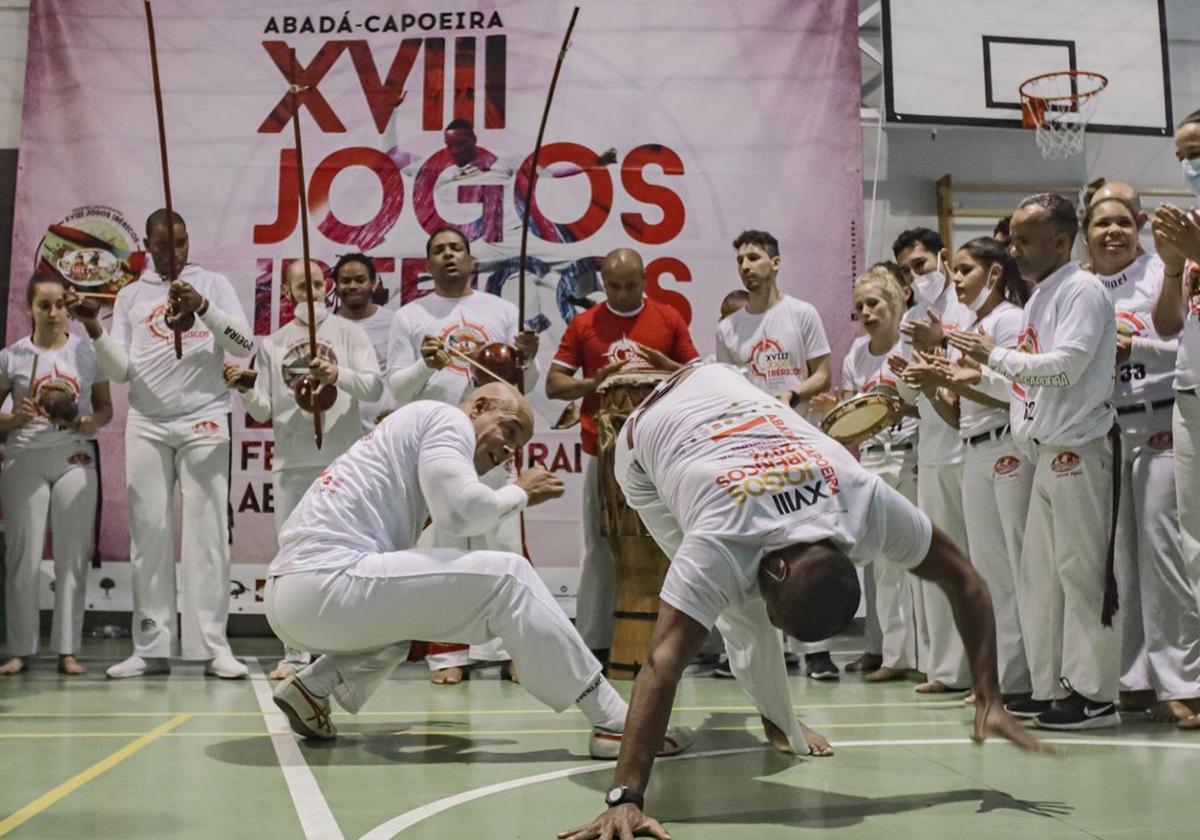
<point>47,799</point>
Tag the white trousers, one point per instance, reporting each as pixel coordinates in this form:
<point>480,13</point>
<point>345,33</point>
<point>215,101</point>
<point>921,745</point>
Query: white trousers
<point>940,647</point>
<point>196,454</point>
<point>995,497</point>
<point>888,588</point>
<point>1160,619</point>
<point>1185,429</point>
<point>597,597</point>
<point>363,616</point>
<point>1062,573</point>
<point>290,487</point>
<point>57,484</point>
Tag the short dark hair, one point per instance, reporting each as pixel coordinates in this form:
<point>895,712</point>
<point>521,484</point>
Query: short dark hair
<point>1089,210</point>
<point>735,295</point>
<point>1001,228</point>
<point>930,240</point>
<point>760,238</point>
<point>446,229</point>
<point>460,123</point>
<point>989,252</point>
<point>1193,117</point>
<point>159,217</point>
<point>822,592</point>
<point>346,259</point>
<point>1060,211</point>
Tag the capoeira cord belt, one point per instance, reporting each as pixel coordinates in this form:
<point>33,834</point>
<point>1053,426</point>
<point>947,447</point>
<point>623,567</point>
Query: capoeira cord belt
<point>1111,600</point>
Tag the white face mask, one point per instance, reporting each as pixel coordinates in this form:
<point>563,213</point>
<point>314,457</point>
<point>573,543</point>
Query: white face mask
<point>984,294</point>
<point>927,287</point>
<point>318,311</point>
<point>1191,173</point>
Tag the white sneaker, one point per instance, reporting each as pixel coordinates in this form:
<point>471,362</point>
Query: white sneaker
<point>307,713</point>
<point>226,667</point>
<point>605,744</point>
<point>136,666</point>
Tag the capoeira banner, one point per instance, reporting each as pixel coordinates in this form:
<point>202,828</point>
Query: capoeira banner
<point>720,115</point>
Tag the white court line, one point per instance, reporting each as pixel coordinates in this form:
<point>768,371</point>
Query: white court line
<point>316,820</point>
<point>397,824</point>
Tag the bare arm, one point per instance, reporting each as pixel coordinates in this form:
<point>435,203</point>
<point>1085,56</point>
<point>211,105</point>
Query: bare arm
<point>562,385</point>
<point>819,375</point>
<point>102,409</point>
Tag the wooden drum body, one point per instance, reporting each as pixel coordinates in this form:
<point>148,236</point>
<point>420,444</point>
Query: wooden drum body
<point>641,566</point>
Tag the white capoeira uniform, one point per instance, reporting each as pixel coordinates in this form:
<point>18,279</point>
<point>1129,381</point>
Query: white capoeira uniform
<point>283,357</point>
<point>378,327</point>
<point>466,324</point>
<point>177,429</point>
<point>774,348</point>
<point>995,496</point>
<point>891,455</point>
<point>1061,414</point>
<point>1160,620</point>
<point>939,493</point>
<point>1185,425</point>
<point>49,475</point>
<point>349,583</point>
<point>722,474</point>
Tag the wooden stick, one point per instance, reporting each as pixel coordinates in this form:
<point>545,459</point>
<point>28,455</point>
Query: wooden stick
<point>95,295</point>
<point>176,327</point>
<point>301,187</point>
<point>456,352</point>
<point>533,170</point>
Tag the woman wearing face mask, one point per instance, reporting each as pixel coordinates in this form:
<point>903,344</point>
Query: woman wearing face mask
<point>59,401</point>
<point>1160,620</point>
<point>345,361</point>
<point>879,302</point>
<point>996,477</point>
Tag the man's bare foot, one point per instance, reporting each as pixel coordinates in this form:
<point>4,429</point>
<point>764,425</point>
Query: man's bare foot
<point>1191,723</point>
<point>13,666</point>
<point>508,671</point>
<point>448,676</point>
<point>866,663</point>
<point>933,687</point>
<point>1135,701</point>
<point>885,675</point>
<point>818,746</point>
<point>282,671</point>
<point>69,665</point>
<point>1173,711</point>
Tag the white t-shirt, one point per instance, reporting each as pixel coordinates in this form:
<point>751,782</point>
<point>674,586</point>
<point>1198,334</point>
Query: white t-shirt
<point>72,366</point>
<point>281,359</point>
<point>939,443</point>
<point>378,327</point>
<point>161,386</point>
<point>1147,375</point>
<point>721,474</point>
<point>465,323</point>
<point>1062,370</point>
<point>1187,364</point>
<point>773,347</point>
<point>374,498</point>
<point>1003,324</point>
<point>862,372</point>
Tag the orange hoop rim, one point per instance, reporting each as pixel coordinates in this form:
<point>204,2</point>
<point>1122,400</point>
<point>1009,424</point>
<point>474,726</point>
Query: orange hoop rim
<point>1034,106</point>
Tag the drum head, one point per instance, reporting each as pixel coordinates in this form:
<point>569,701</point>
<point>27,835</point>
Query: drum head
<point>859,418</point>
<point>625,379</point>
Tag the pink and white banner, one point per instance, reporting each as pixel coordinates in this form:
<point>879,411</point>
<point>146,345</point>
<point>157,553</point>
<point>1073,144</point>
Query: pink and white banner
<point>723,115</point>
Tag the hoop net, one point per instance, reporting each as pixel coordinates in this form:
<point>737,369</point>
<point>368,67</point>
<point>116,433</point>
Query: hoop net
<point>1059,106</point>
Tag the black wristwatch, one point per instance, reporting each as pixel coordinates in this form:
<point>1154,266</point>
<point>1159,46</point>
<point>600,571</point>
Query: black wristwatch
<point>621,795</point>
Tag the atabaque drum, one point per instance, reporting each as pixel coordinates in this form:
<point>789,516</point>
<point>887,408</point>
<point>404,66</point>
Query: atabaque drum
<point>641,565</point>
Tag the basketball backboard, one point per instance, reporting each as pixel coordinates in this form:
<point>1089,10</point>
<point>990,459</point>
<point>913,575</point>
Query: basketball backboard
<point>962,62</point>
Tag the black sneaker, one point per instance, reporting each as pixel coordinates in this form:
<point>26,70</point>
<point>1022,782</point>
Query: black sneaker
<point>819,666</point>
<point>1075,712</point>
<point>1028,707</point>
<point>722,670</point>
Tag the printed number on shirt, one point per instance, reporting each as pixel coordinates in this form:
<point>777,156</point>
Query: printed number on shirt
<point>1029,406</point>
<point>1130,372</point>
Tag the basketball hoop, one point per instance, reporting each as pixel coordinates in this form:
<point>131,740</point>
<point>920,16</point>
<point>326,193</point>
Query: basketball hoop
<point>1059,106</point>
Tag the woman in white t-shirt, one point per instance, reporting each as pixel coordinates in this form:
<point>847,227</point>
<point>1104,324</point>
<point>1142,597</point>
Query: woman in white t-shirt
<point>60,399</point>
<point>996,476</point>
<point>879,302</point>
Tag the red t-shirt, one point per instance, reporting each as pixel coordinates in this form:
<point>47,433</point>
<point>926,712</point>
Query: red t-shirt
<point>599,337</point>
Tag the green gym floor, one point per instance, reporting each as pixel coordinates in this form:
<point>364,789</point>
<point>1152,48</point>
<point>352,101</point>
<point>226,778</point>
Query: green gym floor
<point>188,756</point>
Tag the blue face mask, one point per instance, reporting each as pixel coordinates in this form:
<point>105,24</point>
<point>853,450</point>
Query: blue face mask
<point>1191,173</point>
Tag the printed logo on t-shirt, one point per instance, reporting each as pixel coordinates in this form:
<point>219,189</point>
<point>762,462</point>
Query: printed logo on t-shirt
<point>296,360</point>
<point>769,360</point>
<point>1193,289</point>
<point>206,428</point>
<point>1027,342</point>
<point>1007,465</point>
<point>81,458</point>
<point>1064,462</point>
<point>1161,441</point>
<point>775,462</point>
<point>625,350</point>
<point>466,338</point>
<point>53,380</point>
<point>156,323</point>
<point>327,482</point>
<point>1130,325</point>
